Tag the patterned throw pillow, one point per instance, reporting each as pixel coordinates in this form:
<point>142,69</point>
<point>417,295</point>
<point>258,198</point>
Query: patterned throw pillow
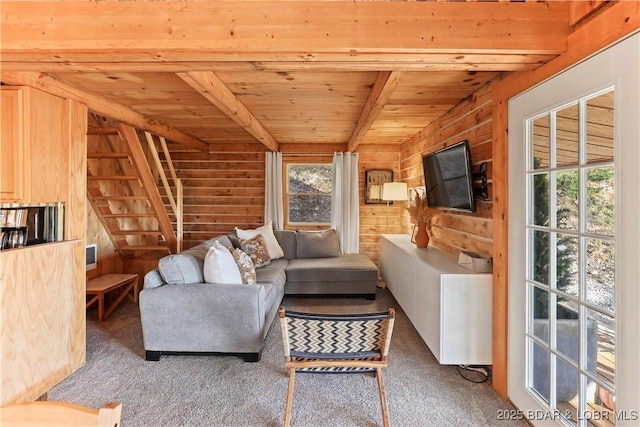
<point>273,247</point>
<point>256,248</point>
<point>245,265</point>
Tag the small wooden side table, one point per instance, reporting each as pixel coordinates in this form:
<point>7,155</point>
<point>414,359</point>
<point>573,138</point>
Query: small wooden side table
<point>127,284</point>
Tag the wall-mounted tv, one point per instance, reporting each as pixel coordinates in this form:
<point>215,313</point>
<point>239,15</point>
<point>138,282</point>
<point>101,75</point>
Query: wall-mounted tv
<point>448,179</point>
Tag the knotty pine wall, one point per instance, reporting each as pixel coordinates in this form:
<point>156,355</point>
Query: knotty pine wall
<point>224,188</point>
<point>373,217</point>
<point>109,260</point>
<point>471,120</point>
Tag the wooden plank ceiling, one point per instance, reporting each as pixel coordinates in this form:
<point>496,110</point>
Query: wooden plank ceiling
<point>293,72</point>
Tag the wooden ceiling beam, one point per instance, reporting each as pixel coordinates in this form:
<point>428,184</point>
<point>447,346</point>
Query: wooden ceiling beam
<point>165,30</point>
<point>382,89</point>
<point>216,92</point>
<point>101,105</point>
<point>243,62</point>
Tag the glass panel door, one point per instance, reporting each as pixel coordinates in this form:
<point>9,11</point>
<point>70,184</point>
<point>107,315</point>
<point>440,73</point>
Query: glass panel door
<point>570,248</point>
<point>574,240</point>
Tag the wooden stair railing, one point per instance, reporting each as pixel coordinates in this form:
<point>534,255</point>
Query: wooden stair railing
<point>174,202</point>
<point>126,199</point>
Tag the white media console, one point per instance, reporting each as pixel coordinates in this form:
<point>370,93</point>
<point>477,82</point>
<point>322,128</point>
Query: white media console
<point>450,306</point>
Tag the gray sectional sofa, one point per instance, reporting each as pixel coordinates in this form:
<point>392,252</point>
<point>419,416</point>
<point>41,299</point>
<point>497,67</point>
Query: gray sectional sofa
<point>180,313</point>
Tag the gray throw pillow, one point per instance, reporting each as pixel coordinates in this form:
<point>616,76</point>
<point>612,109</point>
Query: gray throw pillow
<point>317,244</point>
<point>180,269</point>
<point>223,240</point>
<point>153,279</point>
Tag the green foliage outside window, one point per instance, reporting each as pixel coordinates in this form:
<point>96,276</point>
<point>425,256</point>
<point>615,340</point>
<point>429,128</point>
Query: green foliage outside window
<point>600,220</point>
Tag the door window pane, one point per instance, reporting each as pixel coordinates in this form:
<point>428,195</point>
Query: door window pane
<point>600,128</point>
<point>540,199</point>
<point>568,264</point>
<point>567,328</point>
<point>601,411</point>
<point>567,142</point>
<point>539,380</point>
<point>601,346</point>
<point>601,273</point>
<point>540,258</point>
<point>567,188</point>
<point>539,320</point>
<point>566,382</point>
<point>600,201</point>
<point>540,142</point>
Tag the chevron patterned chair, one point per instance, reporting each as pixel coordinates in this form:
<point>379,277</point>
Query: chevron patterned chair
<point>336,343</point>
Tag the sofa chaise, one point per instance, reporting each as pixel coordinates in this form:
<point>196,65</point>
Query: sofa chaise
<point>182,313</point>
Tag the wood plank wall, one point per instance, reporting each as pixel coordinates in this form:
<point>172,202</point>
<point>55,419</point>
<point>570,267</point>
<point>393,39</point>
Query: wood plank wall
<point>373,217</point>
<point>224,188</point>
<point>471,120</point>
<point>109,260</point>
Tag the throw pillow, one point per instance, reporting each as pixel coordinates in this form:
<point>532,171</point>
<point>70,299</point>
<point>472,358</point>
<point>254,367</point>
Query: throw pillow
<point>274,248</point>
<point>245,265</point>
<point>220,266</point>
<point>256,248</point>
<point>180,269</point>
<point>317,244</point>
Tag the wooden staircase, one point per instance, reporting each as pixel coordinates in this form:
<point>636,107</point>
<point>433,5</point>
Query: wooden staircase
<point>122,190</point>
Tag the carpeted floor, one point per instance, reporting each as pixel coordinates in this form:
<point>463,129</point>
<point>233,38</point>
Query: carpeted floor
<point>226,391</point>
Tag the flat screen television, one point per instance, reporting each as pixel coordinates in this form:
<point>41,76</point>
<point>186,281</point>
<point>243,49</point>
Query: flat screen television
<point>448,178</point>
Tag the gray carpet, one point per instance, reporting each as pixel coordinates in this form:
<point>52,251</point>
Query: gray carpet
<point>226,391</point>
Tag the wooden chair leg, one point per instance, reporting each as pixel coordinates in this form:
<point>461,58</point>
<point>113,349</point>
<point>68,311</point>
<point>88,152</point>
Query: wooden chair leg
<point>287,411</point>
<point>383,398</point>
<point>110,415</point>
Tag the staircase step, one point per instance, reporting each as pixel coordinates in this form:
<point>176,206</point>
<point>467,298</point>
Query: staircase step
<point>102,131</point>
<point>107,155</point>
<point>113,177</point>
<point>136,232</point>
<point>128,215</point>
<point>119,198</point>
<point>131,248</point>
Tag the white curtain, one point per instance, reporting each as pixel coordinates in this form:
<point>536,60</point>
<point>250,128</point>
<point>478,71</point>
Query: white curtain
<point>345,204</point>
<point>273,209</point>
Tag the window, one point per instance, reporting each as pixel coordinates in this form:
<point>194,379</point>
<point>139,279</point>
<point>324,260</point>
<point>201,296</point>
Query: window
<point>308,193</point>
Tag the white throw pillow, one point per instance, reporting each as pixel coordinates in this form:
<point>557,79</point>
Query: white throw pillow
<point>273,247</point>
<point>220,266</point>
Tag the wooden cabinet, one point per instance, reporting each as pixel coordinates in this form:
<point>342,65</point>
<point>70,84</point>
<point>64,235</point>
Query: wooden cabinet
<point>42,318</point>
<point>42,287</point>
<point>14,144</point>
<point>450,307</point>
